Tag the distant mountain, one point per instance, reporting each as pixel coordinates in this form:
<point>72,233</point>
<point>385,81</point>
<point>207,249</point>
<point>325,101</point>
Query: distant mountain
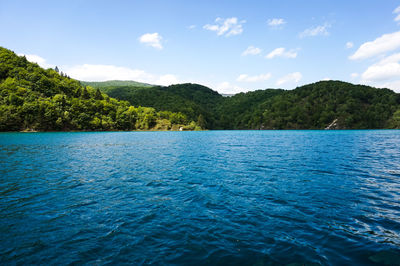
<point>115,83</point>
<point>313,106</point>
<point>35,99</point>
<point>32,98</point>
<point>317,105</point>
<point>193,100</point>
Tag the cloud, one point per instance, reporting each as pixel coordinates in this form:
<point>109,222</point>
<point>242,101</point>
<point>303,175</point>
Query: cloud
<point>88,72</point>
<point>349,45</point>
<point>382,44</point>
<point>191,27</point>
<point>354,75</point>
<point>393,85</point>
<point>251,50</point>
<point>257,78</point>
<point>275,22</point>
<point>226,27</point>
<point>397,11</point>
<point>315,31</point>
<point>289,78</point>
<point>37,59</point>
<point>281,52</point>
<point>152,39</point>
<point>228,88</point>
<point>384,73</point>
<point>385,69</point>
<point>166,80</point>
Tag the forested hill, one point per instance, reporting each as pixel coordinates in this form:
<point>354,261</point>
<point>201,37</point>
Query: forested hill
<point>317,105</point>
<point>32,98</point>
<point>114,83</point>
<point>336,104</point>
<point>193,100</point>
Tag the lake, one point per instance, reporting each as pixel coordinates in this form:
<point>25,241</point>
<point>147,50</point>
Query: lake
<point>211,197</point>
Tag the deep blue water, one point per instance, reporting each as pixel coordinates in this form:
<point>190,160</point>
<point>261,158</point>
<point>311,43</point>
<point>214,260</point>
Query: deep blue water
<point>217,197</point>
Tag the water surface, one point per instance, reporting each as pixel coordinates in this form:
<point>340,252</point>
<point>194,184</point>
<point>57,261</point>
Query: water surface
<point>217,197</point>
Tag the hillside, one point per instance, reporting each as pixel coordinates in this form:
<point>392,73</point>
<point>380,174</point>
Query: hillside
<point>32,98</point>
<point>316,105</point>
<point>312,106</point>
<point>115,83</point>
<point>193,100</point>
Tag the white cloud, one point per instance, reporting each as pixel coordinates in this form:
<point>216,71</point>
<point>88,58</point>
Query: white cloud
<point>191,27</point>
<point>251,50</point>
<point>382,44</point>
<point>166,80</point>
<point>37,59</point>
<point>257,78</point>
<point>315,31</point>
<point>393,85</point>
<point>397,11</point>
<point>387,68</point>
<point>326,79</point>
<point>349,45</point>
<point>228,88</point>
<point>289,78</point>
<point>281,52</point>
<point>354,75</point>
<point>88,72</point>
<point>223,86</point>
<point>227,27</point>
<point>384,74</point>
<point>152,39</point>
<point>276,22</point>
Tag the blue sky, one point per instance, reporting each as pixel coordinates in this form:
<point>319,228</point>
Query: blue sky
<point>230,46</point>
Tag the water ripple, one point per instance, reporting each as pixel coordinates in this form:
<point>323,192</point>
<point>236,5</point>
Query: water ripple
<point>218,197</point>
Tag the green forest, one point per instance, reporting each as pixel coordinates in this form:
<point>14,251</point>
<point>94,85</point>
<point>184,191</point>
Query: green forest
<point>37,99</point>
<point>313,106</point>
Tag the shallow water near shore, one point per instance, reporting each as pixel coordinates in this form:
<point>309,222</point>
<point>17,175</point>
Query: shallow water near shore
<point>211,197</point>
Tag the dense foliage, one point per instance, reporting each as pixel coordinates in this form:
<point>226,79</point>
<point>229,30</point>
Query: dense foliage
<point>114,83</point>
<point>32,98</point>
<point>195,101</point>
<point>314,106</point>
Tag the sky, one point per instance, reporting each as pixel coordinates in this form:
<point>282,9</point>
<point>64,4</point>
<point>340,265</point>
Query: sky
<point>229,46</point>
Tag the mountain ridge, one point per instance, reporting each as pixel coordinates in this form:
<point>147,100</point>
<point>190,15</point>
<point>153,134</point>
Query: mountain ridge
<point>37,99</point>
<point>32,98</point>
<point>311,106</point>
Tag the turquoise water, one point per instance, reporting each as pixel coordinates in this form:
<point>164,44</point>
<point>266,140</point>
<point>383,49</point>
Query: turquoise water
<point>217,197</point>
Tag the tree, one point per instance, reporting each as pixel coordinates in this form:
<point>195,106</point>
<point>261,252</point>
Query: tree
<point>56,69</point>
<point>201,122</point>
<point>98,95</point>
<point>85,94</point>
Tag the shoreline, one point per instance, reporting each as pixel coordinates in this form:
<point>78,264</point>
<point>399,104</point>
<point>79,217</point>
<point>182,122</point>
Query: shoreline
<point>98,131</point>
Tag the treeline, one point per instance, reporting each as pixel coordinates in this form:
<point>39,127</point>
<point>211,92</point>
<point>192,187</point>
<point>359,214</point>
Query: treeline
<point>32,98</point>
<point>193,100</point>
<point>315,106</point>
<point>312,106</point>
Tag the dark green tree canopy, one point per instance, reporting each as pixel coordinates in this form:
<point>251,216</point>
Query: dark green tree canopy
<point>32,98</point>
<point>312,106</point>
<point>38,99</point>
